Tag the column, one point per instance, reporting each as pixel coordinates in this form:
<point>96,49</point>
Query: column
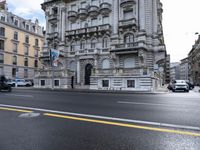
<point>78,71</point>
<point>142,14</point>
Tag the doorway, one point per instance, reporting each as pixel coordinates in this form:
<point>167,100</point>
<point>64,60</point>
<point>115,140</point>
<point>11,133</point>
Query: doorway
<point>88,72</point>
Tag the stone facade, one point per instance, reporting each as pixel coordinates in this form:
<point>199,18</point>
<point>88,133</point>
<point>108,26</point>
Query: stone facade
<point>106,44</point>
<point>184,69</point>
<point>21,42</point>
<point>194,63</point>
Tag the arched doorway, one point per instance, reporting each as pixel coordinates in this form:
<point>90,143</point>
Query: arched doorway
<point>88,72</point>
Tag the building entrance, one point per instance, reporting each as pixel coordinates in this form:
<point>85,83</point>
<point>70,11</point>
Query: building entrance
<point>88,72</point>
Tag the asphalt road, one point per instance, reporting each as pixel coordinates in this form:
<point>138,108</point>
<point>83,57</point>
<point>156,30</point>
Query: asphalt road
<point>59,120</point>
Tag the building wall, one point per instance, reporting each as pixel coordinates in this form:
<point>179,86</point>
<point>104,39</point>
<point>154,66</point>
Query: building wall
<point>134,32</point>
<point>10,28</point>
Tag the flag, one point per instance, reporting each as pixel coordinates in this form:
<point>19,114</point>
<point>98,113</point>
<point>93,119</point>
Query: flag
<point>54,57</point>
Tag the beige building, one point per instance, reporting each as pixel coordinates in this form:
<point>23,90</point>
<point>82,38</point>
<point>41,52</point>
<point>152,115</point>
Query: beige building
<point>20,44</point>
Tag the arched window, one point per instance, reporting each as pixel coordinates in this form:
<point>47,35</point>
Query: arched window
<point>106,42</point>
<point>93,43</point>
<point>72,66</point>
<point>129,39</point>
<point>129,62</point>
<point>82,44</point>
<point>105,64</point>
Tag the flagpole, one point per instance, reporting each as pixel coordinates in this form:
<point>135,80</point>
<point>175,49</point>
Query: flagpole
<point>52,68</point>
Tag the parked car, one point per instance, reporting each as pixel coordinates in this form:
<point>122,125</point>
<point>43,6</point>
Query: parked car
<point>19,82</point>
<point>191,86</point>
<point>180,85</point>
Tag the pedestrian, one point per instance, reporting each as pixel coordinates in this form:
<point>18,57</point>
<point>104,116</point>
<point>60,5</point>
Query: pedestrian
<point>72,82</point>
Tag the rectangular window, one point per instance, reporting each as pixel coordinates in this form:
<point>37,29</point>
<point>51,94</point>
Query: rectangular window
<point>36,42</point>
<point>56,82</point>
<point>1,44</point>
<point>14,72</point>
<point>36,63</point>
<point>36,53</point>
<point>26,39</point>
<point>14,47</point>
<point>73,7</point>
<point>105,20</point>
<point>26,50</point>
<point>42,82</point>
<point>73,26</point>
<point>2,31</point>
<point>131,83</point>
<point>83,24</point>
<point>1,58</point>
<point>15,36</point>
<point>105,83</point>
<point>25,61</point>
<point>128,14</point>
<point>83,4</point>
<point>94,22</point>
<point>25,73</point>
<point>14,60</point>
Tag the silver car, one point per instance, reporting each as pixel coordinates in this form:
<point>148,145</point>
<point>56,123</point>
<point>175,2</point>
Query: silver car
<point>180,85</point>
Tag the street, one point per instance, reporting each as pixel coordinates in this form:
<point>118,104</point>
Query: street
<point>58,120</point>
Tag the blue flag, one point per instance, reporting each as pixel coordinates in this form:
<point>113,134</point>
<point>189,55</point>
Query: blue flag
<point>55,57</point>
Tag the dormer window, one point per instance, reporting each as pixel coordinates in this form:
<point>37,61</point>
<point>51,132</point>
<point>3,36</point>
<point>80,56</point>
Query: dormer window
<point>3,18</point>
<point>27,27</point>
<point>16,22</point>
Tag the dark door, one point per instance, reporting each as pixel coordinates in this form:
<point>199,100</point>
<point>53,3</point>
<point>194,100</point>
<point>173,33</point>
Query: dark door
<point>88,71</point>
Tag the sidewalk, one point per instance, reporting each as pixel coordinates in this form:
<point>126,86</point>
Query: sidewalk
<point>196,89</point>
<point>160,91</point>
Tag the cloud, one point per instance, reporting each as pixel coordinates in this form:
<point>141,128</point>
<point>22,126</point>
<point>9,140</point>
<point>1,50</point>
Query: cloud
<point>28,9</point>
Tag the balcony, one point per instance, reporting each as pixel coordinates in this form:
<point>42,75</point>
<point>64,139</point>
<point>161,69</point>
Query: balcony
<point>81,31</point>
<point>93,29</point>
<point>70,33</point>
<point>53,18</point>
<point>72,16</point>
<point>127,3</point>
<point>127,23</point>
<point>51,36</point>
<point>82,13</point>
<point>93,11</point>
<point>105,8</point>
<point>104,28</point>
<point>125,48</point>
<point>87,52</point>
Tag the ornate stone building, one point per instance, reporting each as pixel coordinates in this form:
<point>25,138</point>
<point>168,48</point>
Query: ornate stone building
<point>104,44</point>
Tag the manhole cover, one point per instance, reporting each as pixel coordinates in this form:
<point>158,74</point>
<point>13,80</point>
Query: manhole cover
<point>29,115</point>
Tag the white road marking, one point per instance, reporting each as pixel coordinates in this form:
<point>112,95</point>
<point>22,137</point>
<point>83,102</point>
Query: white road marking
<point>18,95</point>
<point>106,118</point>
<point>156,104</point>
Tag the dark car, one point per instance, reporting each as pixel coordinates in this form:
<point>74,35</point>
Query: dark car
<point>191,86</point>
<point>3,85</point>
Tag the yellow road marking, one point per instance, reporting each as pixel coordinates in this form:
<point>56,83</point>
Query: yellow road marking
<point>125,125</point>
<point>17,110</point>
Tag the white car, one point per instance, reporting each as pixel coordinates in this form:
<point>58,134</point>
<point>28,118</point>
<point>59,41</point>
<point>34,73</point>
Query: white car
<point>19,82</point>
<point>180,85</point>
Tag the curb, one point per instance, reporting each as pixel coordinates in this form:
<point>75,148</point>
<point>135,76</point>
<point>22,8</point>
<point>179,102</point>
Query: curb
<point>89,91</point>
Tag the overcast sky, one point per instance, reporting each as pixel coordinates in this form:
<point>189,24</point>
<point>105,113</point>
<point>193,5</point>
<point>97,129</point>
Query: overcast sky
<point>181,20</point>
